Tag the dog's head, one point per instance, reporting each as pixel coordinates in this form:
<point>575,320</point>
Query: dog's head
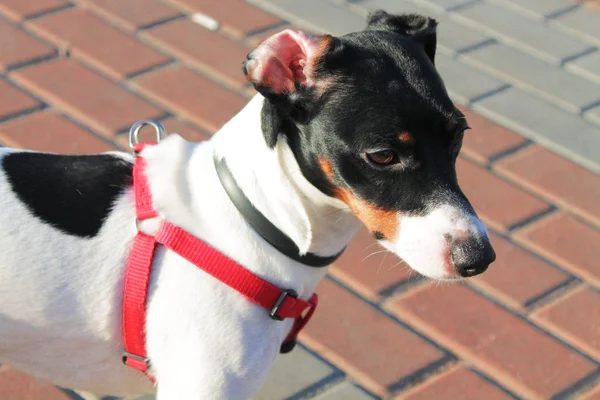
<point>370,123</point>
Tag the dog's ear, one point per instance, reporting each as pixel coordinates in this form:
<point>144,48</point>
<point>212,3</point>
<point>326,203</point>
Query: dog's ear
<point>420,28</point>
<point>285,62</point>
<point>284,70</point>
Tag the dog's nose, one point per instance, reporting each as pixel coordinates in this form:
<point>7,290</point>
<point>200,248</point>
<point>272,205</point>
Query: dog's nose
<point>472,256</point>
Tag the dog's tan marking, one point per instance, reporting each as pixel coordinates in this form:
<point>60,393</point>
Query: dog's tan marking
<point>406,137</point>
<point>372,216</point>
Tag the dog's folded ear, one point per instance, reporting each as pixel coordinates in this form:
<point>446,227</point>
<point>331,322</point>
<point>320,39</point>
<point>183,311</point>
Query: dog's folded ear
<point>285,62</point>
<point>420,28</point>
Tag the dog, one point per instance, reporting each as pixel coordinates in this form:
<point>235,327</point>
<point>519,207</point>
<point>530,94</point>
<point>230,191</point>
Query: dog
<point>344,131</point>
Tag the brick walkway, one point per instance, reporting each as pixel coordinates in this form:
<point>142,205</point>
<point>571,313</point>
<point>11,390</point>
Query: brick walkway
<point>74,76</point>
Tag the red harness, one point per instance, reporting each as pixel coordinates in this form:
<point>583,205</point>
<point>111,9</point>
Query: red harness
<point>280,303</point>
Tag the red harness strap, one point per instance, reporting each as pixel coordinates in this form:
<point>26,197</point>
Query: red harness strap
<point>280,303</point>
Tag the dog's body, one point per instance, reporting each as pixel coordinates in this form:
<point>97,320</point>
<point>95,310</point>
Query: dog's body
<point>65,238</point>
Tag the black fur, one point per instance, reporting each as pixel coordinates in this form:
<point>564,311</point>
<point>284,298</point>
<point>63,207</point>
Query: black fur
<point>384,83</point>
<point>72,193</point>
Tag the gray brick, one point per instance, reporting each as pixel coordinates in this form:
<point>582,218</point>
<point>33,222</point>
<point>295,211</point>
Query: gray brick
<point>452,36</point>
<point>519,31</point>
<point>315,15</point>
<point>445,5</point>
<point>594,115</point>
<point>554,83</point>
<point>565,134</point>
<point>583,22</point>
<point>344,391</point>
<point>465,83</point>
<point>587,66</point>
<point>292,373</point>
<point>539,9</point>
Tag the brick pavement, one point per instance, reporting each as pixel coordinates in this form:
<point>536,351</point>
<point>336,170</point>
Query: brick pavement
<point>74,75</point>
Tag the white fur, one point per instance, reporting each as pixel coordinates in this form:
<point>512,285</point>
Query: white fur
<point>61,296</point>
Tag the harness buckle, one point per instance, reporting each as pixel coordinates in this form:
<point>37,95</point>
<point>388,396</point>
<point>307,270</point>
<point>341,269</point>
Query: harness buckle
<point>134,132</point>
<point>285,293</point>
<point>127,355</point>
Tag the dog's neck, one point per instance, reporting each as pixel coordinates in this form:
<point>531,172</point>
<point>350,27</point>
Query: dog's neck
<point>273,182</point>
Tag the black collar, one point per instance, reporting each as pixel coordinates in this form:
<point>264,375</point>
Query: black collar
<point>262,225</point>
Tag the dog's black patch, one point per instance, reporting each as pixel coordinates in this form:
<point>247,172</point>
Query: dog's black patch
<point>71,193</point>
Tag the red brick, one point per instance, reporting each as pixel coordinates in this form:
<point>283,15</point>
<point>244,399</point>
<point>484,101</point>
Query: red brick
<point>372,348</point>
<point>15,385</point>
<point>49,132</point>
<point>568,242</point>
<point>456,384</point>
<point>97,43</point>
<point>516,354</point>
<point>235,16</point>
<point>96,101</point>
<point>486,139</point>
<point>499,203</point>
<point>593,4</point>
<point>129,15</point>
<point>568,185</point>
<point>216,55</point>
<point>18,47</point>
<point>368,268</point>
<point>172,125</point>
<point>517,276</point>
<point>21,9</point>
<point>192,96</point>
<point>575,318</point>
<point>13,100</point>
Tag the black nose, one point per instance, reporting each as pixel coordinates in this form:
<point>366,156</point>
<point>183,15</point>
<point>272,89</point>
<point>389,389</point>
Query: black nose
<point>472,256</point>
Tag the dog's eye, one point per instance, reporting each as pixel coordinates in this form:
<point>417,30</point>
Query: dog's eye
<point>383,157</point>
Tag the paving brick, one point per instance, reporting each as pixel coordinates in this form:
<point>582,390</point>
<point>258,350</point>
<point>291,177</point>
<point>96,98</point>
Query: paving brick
<point>457,384</point>
<point>567,242</point>
<point>49,132</point>
<point>317,15</point>
<point>587,66</point>
<point>486,139</point>
<point>129,15</point>
<point>172,125</point>
<point>97,43</point>
<point>592,4</point>
<point>13,100</point>
<point>465,83</point>
<point>518,356</point>
<point>19,47</point>
<point>344,391</point>
<point>21,9</point>
<point>557,85</point>
<point>15,385</point>
<point>518,30</point>
<point>192,96</point>
<point>540,9</point>
<point>368,268</point>
<point>372,348</point>
<point>444,5</point>
<point>561,181</point>
<point>576,319</point>
<point>291,373</point>
<point>235,16</point>
<point>581,22</point>
<point>490,196</point>
<point>517,277</point>
<point>89,97</point>
<point>217,55</point>
<point>593,115</point>
<point>546,124</point>
<point>452,37</point>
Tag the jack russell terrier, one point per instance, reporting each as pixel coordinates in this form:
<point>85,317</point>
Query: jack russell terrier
<point>344,130</point>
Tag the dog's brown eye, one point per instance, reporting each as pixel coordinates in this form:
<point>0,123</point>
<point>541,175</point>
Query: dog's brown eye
<point>384,157</point>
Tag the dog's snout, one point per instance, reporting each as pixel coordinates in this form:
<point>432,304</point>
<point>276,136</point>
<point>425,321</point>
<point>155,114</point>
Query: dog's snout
<point>472,256</point>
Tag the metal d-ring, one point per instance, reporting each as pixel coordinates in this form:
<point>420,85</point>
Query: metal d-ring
<point>134,131</point>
